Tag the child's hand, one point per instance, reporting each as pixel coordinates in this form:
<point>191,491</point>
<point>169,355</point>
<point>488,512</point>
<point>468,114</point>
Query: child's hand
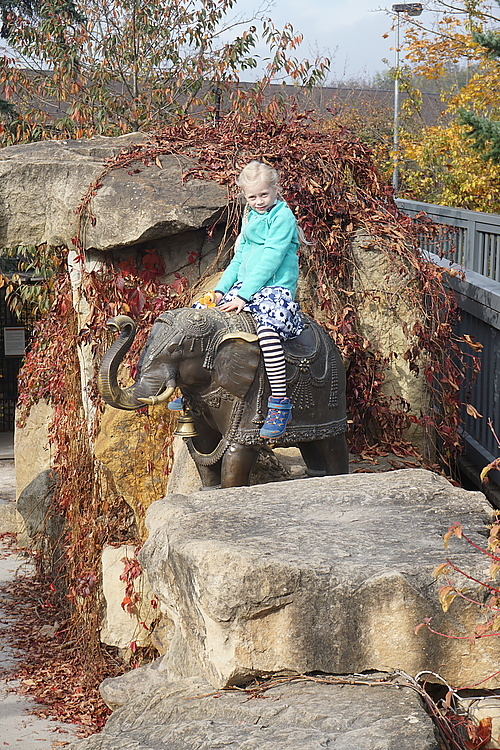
<point>218,297</point>
<point>235,305</point>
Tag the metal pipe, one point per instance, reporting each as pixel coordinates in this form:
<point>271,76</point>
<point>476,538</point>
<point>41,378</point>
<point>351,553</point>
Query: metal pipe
<point>395,173</point>
<point>411,9</point>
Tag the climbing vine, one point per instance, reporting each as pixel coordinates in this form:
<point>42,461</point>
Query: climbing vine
<point>335,191</point>
<point>95,513</point>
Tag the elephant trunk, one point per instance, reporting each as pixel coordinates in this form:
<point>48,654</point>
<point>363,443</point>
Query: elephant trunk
<point>139,393</point>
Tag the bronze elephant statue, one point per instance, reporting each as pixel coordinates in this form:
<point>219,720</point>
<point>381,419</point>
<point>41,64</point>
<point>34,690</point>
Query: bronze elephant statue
<point>214,359</point>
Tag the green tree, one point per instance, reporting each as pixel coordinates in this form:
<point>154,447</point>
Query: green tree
<point>121,65</point>
<point>484,131</point>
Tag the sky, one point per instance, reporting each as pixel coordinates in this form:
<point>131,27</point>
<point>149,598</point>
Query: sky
<point>350,32</point>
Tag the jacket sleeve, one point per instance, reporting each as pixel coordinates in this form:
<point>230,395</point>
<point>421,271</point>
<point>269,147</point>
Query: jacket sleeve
<point>279,241</point>
<point>230,275</point>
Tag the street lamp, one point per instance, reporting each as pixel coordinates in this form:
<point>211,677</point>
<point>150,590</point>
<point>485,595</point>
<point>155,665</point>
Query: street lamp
<point>411,9</point>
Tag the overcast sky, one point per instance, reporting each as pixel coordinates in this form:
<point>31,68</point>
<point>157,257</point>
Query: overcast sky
<point>348,31</point>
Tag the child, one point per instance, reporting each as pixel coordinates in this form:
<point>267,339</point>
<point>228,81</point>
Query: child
<point>261,279</point>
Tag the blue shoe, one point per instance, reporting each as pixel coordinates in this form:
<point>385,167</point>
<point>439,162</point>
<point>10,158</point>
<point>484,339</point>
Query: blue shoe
<point>177,404</point>
<point>278,416</point>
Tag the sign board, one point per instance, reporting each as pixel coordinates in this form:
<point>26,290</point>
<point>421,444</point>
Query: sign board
<point>14,342</point>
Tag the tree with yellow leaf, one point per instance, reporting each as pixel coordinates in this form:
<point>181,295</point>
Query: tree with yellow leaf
<point>441,166</point>
<point>484,131</point>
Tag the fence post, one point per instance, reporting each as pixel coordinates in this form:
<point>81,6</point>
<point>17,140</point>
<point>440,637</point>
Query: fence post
<point>471,259</point>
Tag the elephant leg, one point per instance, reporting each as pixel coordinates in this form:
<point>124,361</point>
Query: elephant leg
<point>237,463</point>
<point>329,456</point>
<point>210,475</point>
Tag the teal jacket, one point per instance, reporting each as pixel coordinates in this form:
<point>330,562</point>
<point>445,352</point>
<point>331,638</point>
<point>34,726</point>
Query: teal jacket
<point>266,253</point>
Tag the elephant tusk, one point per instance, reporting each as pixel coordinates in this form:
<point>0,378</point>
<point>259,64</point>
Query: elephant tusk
<point>153,400</point>
<point>242,335</point>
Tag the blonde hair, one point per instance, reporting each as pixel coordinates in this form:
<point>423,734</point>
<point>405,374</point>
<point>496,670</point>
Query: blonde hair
<point>257,170</point>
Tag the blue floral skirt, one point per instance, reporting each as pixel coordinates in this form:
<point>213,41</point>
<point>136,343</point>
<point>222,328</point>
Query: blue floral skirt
<point>272,307</point>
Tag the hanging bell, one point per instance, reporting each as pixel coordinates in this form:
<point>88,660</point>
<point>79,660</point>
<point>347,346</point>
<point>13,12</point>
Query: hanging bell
<point>185,426</point>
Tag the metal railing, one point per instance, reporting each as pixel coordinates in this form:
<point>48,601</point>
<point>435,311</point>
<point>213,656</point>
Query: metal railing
<point>479,301</point>
<point>469,238</point>
<point>472,240</point>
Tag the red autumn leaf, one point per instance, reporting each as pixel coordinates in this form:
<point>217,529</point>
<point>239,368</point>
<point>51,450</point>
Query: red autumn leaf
<point>136,301</point>
<point>179,284</point>
<point>128,267</point>
<point>127,601</point>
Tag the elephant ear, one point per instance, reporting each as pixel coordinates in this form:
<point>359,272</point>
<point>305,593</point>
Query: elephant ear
<point>236,362</point>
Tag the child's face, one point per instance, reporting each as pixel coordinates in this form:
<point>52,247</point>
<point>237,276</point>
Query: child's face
<point>260,196</point>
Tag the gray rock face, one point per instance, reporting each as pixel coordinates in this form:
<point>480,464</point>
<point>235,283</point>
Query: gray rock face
<point>41,185</point>
<point>43,526</point>
<point>329,575</point>
<point>300,715</point>
<point>34,504</point>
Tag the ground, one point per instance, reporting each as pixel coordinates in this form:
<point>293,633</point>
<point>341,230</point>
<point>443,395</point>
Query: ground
<point>19,727</point>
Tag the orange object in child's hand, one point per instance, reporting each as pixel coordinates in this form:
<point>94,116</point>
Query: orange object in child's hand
<point>208,300</point>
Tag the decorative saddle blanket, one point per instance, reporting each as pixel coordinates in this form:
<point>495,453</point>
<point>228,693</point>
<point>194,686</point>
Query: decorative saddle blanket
<point>314,370</point>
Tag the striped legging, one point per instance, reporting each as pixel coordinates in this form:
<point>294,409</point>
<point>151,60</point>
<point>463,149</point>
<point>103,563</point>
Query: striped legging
<point>274,360</point>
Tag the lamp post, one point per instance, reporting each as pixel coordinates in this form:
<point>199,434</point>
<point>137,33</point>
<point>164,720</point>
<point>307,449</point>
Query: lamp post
<point>411,9</point>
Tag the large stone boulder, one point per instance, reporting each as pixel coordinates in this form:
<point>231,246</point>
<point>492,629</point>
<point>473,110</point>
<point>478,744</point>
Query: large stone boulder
<point>332,575</point>
<point>304,715</point>
<point>43,526</point>
<point>123,625</point>
<point>32,448</point>
<point>130,446</point>
<point>42,184</point>
<point>42,523</point>
<point>386,314</point>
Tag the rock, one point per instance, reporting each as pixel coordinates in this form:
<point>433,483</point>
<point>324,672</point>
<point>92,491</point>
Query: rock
<point>33,460</point>
<point>184,477</point>
<point>481,708</point>
<point>279,465</point>
<point>384,315</point>
<point>162,634</point>
<point>35,506</point>
<point>120,628</point>
<point>121,691</point>
<point>130,445</point>
<point>331,575</point>
<point>272,466</point>
<point>11,521</point>
<point>43,526</point>
<point>131,207</point>
<point>31,445</point>
<point>49,631</point>
<point>304,715</point>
